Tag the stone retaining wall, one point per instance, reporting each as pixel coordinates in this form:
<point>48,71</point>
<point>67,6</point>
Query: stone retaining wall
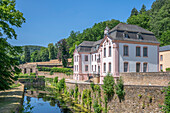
<point>59,75</point>
<point>138,99</point>
<point>151,78</point>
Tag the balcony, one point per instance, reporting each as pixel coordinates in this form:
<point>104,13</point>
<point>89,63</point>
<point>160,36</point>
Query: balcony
<point>98,60</point>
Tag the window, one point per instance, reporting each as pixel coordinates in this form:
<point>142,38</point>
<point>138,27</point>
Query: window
<point>92,68</point>
<point>104,67</point>
<point>145,52</point>
<point>77,59</point>
<point>126,67</point>
<point>104,52</point>
<point>86,67</point>
<point>92,58</point>
<point>95,68</point>
<point>86,57</point>
<point>109,67</point>
<point>138,51</point>
<point>145,67</point>
<point>95,57</point>
<point>161,67</point>
<point>110,51</point>
<point>77,68</point>
<point>125,50</point>
<point>126,35</point>
<point>98,69</point>
<point>161,57</point>
<point>140,37</point>
<point>137,67</point>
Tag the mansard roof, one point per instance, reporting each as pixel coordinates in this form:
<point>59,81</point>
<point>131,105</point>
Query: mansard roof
<point>130,27</point>
<point>118,33</point>
<point>164,48</point>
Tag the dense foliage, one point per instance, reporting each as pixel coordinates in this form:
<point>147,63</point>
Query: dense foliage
<point>120,89</point>
<point>156,20</point>
<point>166,107</point>
<point>9,18</point>
<point>108,86</point>
<point>63,53</point>
<point>55,69</point>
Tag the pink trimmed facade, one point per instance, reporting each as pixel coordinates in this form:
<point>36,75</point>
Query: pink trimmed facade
<point>108,56</point>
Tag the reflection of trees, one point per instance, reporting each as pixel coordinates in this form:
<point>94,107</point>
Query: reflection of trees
<point>52,102</point>
<point>28,99</point>
<point>27,107</point>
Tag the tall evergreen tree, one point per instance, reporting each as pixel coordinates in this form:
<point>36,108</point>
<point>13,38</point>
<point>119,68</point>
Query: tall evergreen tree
<point>9,17</point>
<point>34,56</point>
<point>143,9</point>
<point>27,54</point>
<point>44,54</point>
<point>63,52</point>
<point>134,12</point>
<point>51,51</point>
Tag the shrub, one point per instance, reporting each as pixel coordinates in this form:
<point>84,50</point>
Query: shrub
<point>51,72</point>
<point>67,71</point>
<point>108,86</point>
<point>92,86</point>
<point>76,92</point>
<point>166,106</point>
<point>71,92</point>
<point>120,89</point>
<point>61,84</point>
<point>167,69</point>
<point>56,80</point>
<point>97,107</point>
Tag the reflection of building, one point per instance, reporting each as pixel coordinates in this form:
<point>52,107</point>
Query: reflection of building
<point>125,48</point>
<point>164,58</point>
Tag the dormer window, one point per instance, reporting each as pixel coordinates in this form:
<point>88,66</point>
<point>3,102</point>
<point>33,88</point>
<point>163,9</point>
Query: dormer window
<point>125,35</point>
<point>139,36</point>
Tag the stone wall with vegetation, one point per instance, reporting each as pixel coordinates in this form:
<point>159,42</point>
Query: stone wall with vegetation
<point>151,78</point>
<point>139,99</point>
<point>60,75</point>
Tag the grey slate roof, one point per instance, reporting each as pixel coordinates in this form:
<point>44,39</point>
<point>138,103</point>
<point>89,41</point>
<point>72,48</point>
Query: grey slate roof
<point>164,48</point>
<point>129,27</point>
<point>132,30</point>
<point>117,33</point>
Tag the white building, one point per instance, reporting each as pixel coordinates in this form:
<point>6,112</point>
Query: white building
<point>125,48</point>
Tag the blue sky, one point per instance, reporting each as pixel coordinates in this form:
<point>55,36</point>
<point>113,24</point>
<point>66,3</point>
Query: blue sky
<point>48,21</point>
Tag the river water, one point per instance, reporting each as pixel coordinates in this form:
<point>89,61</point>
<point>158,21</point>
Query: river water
<point>43,100</point>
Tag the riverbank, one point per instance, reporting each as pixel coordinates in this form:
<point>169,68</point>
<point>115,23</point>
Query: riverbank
<point>11,100</point>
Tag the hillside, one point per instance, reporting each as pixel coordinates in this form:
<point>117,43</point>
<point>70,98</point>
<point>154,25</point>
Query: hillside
<point>32,48</point>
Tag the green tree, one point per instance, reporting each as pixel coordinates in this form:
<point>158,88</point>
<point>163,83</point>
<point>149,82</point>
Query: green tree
<point>165,38</point>
<point>166,106</point>
<point>63,52</point>
<point>44,54</point>
<point>143,9</point>
<point>160,16</point>
<point>120,89</point>
<point>134,12</point>
<point>51,50</point>
<point>108,86</point>
<point>9,18</point>
<point>27,54</point>
<point>34,56</point>
<point>141,20</point>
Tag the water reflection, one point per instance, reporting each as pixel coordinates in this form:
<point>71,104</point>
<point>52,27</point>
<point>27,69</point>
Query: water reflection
<point>43,100</point>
